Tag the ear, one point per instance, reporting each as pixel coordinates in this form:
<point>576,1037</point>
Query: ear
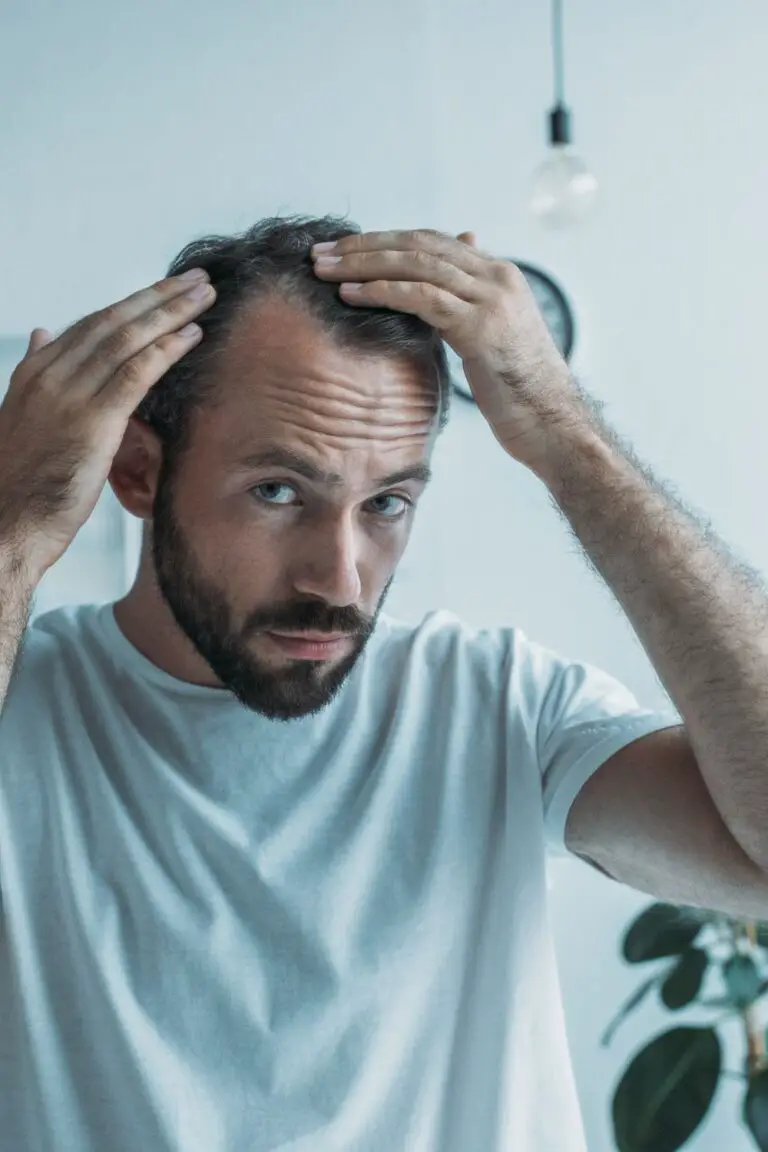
<point>135,468</point>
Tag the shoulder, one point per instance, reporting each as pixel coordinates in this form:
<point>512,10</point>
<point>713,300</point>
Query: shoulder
<point>51,641</point>
<point>59,627</point>
<point>447,651</point>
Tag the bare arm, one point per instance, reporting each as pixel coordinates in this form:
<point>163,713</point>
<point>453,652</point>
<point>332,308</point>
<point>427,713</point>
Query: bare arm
<point>17,587</point>
<point>676,813</point>
<point>62,421</point>
<point>647,819</point>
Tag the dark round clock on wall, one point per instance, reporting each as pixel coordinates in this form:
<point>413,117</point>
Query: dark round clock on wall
<point>555,309</point>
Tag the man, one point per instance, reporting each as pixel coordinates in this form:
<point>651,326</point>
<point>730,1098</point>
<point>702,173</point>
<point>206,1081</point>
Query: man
<point>264,889</point>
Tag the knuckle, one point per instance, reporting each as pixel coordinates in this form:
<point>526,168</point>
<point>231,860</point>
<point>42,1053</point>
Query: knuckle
<point>424,235</point>
<point>85,328</point>
<point>91,328</point>
<point>440,302</point>
<point>346,245</point>
<point>129,375</point>
<point>160,295</point>
<point>424,259</point>
<point>171,309</point>
<point>506,274</point>
<point>119,342</point>
<point>109,316</point>
<point>45,380</point>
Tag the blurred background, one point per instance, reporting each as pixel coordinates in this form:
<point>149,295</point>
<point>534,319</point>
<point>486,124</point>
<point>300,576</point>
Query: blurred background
<point>130,128</point>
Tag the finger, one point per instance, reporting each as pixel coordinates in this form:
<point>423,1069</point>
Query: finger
<point>437,307</point>
<point>89,353</point>
<point>468,259</point>
<point>73,336</point>
<point>413,264</point>
<point>38,338</point>
<point>128,385</point>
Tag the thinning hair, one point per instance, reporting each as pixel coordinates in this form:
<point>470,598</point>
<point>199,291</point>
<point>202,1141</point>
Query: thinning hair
<point>273,258</point>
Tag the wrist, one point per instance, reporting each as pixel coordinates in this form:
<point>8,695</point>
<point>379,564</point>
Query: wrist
<point>561,451</point>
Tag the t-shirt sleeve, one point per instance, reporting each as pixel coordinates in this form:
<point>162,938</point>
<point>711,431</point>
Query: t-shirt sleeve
<point>585,716</point>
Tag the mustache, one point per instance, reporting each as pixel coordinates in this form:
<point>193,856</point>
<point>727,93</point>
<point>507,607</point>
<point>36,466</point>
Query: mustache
<point>309,618</point>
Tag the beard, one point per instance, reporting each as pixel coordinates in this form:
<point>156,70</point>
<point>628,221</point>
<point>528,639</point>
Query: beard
<point>288,691</point>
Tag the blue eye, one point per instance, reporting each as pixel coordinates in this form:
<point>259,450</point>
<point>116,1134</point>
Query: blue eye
<point>406,504</point>
<point>259,489</point>
<point>271,484</point>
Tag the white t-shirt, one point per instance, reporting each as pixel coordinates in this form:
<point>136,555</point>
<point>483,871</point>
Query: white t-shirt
<point>224,933</point>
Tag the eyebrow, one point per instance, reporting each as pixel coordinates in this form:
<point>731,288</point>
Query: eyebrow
<point>274,455</point>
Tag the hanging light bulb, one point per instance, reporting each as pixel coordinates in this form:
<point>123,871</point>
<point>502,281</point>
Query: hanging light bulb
<point>563,188</point>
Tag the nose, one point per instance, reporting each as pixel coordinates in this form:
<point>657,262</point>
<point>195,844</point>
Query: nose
<point>328,567</point>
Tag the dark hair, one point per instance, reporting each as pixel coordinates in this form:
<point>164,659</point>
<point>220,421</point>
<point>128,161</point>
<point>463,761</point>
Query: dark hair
<point>273,256</point>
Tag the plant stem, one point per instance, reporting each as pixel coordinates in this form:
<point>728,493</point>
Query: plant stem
<point>753,1030</point>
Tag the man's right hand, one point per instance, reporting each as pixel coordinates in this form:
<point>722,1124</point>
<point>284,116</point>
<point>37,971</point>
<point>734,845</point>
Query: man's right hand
<point>68,406</point>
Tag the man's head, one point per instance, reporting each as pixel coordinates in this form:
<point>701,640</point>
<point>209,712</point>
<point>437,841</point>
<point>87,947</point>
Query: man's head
<point>238,545</point>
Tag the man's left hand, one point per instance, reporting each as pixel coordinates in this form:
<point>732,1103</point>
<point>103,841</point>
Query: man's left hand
<point>484,309</point>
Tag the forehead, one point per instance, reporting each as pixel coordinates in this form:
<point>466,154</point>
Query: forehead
<point>282,377</point>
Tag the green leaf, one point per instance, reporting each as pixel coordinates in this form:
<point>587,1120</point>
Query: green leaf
<point>662,930</point>
<point>742,979</point>
<point>666,1091</point>
<point>636,998</point>
<point>756,1109</point>
<point>683,983</point>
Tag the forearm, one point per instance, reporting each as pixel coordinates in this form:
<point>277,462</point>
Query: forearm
<point>701,616</point>
<point>16,591</point>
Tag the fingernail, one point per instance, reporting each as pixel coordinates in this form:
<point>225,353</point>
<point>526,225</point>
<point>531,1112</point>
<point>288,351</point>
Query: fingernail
<point>326,246</point>
<point>194,274</point>
<point>324,261</point>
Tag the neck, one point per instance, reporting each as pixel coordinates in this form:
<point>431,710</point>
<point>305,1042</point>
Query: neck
<point>145,620</point>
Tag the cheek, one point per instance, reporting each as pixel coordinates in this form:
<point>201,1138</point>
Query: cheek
<point>232,546</point>
<point>242,544</point>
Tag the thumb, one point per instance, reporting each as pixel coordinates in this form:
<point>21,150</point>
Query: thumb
<point>468,238</point>
<point>39,337</point>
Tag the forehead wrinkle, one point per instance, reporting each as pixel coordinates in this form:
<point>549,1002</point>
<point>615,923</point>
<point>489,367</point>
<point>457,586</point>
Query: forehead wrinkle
<point>283,380</point>
<point>370,417</point>
<point>331,390</point>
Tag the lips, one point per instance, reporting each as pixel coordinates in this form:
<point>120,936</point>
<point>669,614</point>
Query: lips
<point>302,649</point>
<point>313,637</point>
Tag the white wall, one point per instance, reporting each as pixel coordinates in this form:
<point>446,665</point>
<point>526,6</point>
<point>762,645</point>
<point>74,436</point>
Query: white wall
<point>130,129</point>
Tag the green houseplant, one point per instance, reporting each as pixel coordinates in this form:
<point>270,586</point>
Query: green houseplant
<point>669,1085</point>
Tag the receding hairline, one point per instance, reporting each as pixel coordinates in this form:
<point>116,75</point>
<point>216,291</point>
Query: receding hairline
<point>338,336</point>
